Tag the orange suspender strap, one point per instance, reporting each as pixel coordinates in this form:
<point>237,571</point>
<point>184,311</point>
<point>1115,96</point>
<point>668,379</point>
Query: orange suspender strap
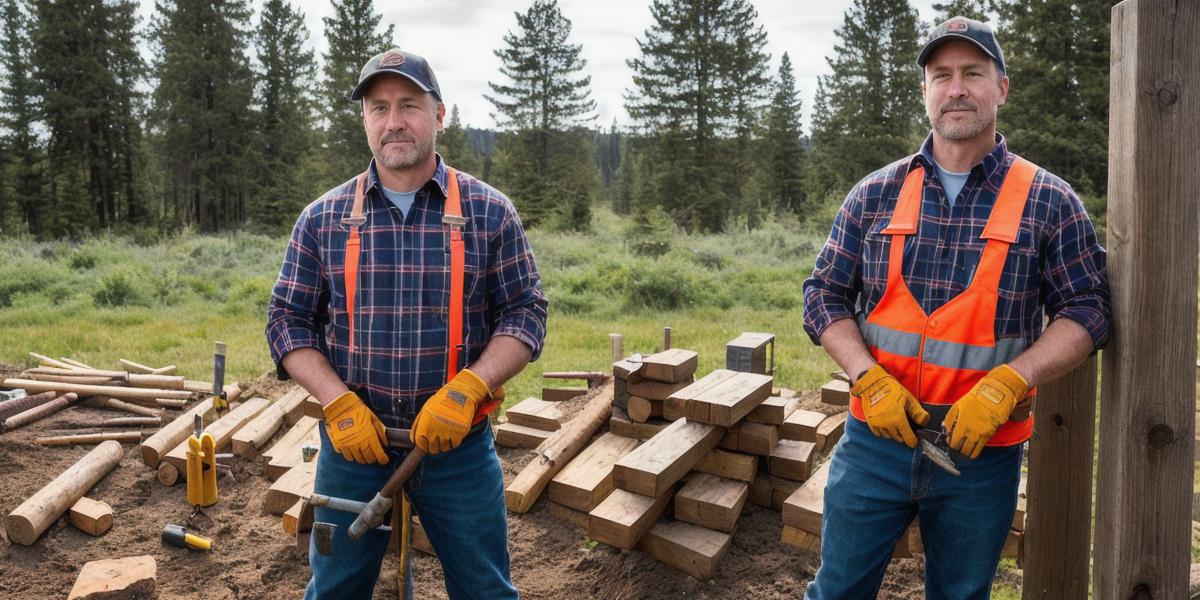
<point>353,249</point>
<point>452,218</point>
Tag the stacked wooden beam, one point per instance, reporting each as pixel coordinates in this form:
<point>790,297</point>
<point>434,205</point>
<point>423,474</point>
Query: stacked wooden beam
<point>528,423</point>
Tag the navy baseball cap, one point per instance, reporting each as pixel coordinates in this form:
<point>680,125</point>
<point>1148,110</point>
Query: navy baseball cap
<point>969,30</point>
<point>398,62</point>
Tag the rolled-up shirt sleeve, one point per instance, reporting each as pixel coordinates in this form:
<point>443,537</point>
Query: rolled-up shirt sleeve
<point>296,312</point>
<point>831,292</point>
<point>515,286</point>
<point>1075,277</point>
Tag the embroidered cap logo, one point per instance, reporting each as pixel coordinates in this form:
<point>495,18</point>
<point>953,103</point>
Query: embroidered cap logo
<point>391,59</point>
<point>956,26</point>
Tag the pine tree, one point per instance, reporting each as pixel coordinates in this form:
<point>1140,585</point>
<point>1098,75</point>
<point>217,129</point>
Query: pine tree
<point>868,109</point>
<point>547,160</point>
<point>693,59</point>
<point>202,111</point>
<point>352,37</point>
<point>784,149</point>
<point>286,113</point>
<point>452,145</point>
<point>89,69</point>
<point>980,10</point>
<point>21,189</point>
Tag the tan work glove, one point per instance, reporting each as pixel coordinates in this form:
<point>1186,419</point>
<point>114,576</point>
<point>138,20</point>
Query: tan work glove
<point>355,431</point>
<point>974,419</point>
<point>888,405</point>
<point>446,417</point>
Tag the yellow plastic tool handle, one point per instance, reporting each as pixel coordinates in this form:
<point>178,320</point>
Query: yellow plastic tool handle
<point>197,542</point>
<point>202,470</point>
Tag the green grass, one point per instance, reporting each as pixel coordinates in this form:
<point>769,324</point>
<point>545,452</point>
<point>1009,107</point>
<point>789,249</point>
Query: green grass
<point>107,298</point>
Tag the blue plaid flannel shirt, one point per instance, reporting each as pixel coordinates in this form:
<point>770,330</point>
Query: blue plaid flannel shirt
<point>1056,266</point>
<point>403,289</point>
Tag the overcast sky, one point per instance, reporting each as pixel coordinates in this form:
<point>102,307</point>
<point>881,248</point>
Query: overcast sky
<point>458,36</point>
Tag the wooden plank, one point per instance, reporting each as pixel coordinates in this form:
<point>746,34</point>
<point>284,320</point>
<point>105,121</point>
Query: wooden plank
<point>587,479</point>
<point>675,406</point>
<point>1059,521</point>
<point>92,517</point>
<point>794,536</point>
<point>792,459</point>
<point>535,413</point>
<point>727,402</point>
<point>801,425</point>
<point>289,456</point>
<point>512,435</point>
<point>577,518</point>
<point>1148,404</point>
<point>691,549</point>
<point>291,518</point>
<point>562,394</point>
<point>628,370</point>
<point>758,439</point>
<point>255,434</point>
<point>296,484</point>
<point>730,440</point>
<point>641,409</point>
<point>178,430</point>
<point>836,393</point>
<point>620,394</point>
<point>770,492</point>
<point>711,502</point>
<point>622,425</point>
<point>748,352</point>
<point>662,460</point>
<point>774,410</point>
<point>624,517</point>
<point>830,431</point>
<point>656,390</point>
<point>222,431</point>
<point>730,465</point>
<point>670,366</point>
<point>804,508</point>
<point>109,391</point>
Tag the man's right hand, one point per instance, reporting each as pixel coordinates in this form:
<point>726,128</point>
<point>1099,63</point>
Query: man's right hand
<point>888,406</point>
<point>355,431</point>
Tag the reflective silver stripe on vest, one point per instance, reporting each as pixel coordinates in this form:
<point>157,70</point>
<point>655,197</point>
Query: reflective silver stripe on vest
<point>941,353</point>
<point>899,343</point>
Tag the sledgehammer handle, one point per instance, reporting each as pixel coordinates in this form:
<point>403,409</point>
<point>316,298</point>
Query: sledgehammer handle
<point>396,481</point>
<point>377,509</point>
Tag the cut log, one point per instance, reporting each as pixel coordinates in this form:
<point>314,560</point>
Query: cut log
<point>535,413</point>
<point>118,578</point>
<point>656,390</point>
<point>836,393</point>
<point>587,479</point>
<point>512,435</point>
<point>691,549</point>
<point>40,411</point>
<point>774,410</point>
<point>166,474</point>
<point>670,366</point>
<point>711,502</point>
<point>758,439</point>
<point>132,422</point>
<point>73,371</point>
<point>133,367</point>
<point>830,431</point>
<point>562,394</point>
<point>124,393</point>
<point>577,518</point>
<point>222,431</point>
<point>557,451</point>
<point>114,404</point>
<point>804,508</point>
<point>661,461</point>
<point>641,410</point>
<point>292,404</point>
<point>801,425</point>
<point>730,465</point>
<point>92,517</point>
<point>730,400</point>
<point>167,438</point>
<point>622,425</point>
<point>255,434</point>
<point>162,382</point>
<point>20,405</point>
<point>288,451</point>
<point>29,520</point>
<point>90,438</point>
<point>295,485</point>
<point>628,370</point>
<point>624,517</point>
<point>792,460</point>
<point>46,360</point>
<point>84,379</point>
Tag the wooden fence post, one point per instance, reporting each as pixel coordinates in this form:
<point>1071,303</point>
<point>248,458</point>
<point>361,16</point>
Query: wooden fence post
<point>1058,518</point>
<point>1148,396</point>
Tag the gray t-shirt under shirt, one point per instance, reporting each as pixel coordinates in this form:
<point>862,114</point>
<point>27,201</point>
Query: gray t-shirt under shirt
<point>952,182</point>
<point>402,200</point>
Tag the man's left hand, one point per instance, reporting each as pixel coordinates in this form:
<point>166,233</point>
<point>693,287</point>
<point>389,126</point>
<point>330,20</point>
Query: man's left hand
<point>977,415</point>
<point>446,417</point>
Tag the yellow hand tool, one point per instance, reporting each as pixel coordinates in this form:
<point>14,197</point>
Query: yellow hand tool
<point>177,536</point>
<point>201,468</point>
<point>220,400</point>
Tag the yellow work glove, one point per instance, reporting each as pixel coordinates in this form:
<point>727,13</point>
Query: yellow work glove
<point>975,417</point>
<point>888,406</point>
<point>446,417</point>
<point>355,431</point>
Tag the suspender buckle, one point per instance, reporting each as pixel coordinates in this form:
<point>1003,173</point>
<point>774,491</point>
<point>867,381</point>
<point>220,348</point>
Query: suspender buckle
<point>358,221</point>
<point>454,221</point>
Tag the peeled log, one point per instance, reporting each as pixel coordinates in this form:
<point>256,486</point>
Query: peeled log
<point>40,412</point>
<point>157,445</point>
<point>13,407</point>
<point>125,393</point>
<point>31,519</point>
<point>558,450</point>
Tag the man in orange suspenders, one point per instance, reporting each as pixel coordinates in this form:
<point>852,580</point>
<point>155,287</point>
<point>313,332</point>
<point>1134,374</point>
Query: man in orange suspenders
<point>408,296</point>
<point>930,293</point>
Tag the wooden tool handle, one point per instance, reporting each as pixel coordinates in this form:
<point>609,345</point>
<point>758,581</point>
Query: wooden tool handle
<point>396,481</point>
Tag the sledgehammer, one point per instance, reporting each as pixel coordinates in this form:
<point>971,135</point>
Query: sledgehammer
<point>373,514</point>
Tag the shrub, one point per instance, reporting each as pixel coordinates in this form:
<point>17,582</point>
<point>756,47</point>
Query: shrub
<point>117,289</point>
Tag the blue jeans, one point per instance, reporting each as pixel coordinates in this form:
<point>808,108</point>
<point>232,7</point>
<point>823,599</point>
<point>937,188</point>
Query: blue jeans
<point>459,496</point>
<point>877,487</point>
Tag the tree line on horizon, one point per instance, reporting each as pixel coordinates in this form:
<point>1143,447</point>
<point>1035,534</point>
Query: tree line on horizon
<point>233,124</point>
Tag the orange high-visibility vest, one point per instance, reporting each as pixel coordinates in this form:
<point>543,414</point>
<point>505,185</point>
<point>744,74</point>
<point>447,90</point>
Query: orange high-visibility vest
<point>453,219</point>
<point>939,357</point>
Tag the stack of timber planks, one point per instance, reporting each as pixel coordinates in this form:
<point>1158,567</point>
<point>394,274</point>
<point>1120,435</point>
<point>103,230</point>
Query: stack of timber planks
<point>528,423</point>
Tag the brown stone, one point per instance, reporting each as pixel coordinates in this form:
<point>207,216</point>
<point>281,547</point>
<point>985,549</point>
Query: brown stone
<point>117,579</point>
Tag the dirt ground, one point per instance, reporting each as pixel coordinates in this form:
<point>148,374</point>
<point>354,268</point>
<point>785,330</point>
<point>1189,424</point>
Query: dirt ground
<point>254,559</point>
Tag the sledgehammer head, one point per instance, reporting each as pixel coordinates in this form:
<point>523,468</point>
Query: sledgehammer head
<point>371,517</point>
